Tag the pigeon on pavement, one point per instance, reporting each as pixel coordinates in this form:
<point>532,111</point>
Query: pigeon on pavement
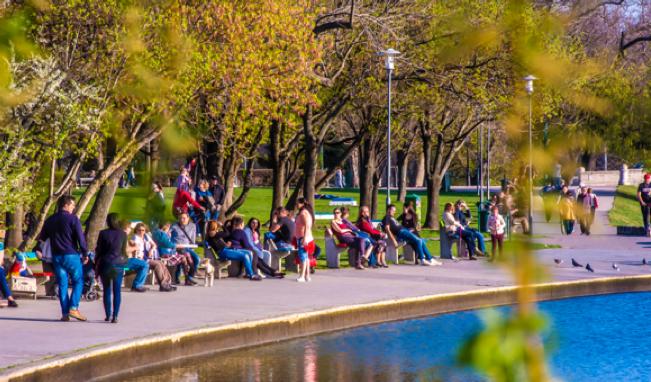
<point>589,268</point>
<point>576,263</point>
<point>616,267</point>
<point>558,261</point>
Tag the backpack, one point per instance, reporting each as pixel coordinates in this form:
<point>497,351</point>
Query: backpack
<point>596,201</point>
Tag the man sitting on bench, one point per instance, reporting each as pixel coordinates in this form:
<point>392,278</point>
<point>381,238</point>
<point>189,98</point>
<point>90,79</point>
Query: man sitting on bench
<point>281,230</point>
<point>463,216</point>
<point>397,232</point>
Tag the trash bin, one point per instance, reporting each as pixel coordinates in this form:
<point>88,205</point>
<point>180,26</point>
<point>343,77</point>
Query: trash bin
<point>416,200</point>
<point>446,184</point>
<point>483,212</point>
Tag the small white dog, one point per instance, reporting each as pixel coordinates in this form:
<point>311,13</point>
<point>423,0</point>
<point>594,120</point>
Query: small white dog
<point>210,273</point>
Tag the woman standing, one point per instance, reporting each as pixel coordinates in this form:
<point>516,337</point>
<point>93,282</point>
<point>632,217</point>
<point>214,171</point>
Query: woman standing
<point>110,261</point>
<point>303,239</point>
<point>496,226</point>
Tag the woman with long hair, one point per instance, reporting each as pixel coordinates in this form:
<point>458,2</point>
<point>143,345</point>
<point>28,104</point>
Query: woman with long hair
<point>379,238</point>
<point>218,241</point>
<point>110,260</point>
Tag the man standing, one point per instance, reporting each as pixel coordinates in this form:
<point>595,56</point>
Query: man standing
<point>69,251</point>
<point>590,205</point>
<point>217,194</point>
<point>644,197</point>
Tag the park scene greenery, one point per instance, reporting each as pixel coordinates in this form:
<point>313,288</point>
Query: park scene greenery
<point>289,91</point>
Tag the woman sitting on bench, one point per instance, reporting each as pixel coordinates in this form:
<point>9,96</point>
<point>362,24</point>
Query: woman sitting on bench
<point>378,237</point>
<point>239,240</point>
<point>346,236</point>
<point>218,242</point>
<point>455,230</point>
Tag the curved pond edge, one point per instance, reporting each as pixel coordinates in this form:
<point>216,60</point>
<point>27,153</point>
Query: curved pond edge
<point>101,361</point>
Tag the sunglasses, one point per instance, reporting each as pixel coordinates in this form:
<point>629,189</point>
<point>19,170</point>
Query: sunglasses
<point>337,212</point>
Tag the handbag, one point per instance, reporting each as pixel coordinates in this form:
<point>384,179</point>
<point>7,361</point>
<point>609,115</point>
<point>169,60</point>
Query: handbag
<point>46,251</point>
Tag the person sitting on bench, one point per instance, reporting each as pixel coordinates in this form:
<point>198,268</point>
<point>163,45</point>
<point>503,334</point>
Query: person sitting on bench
<point>346,236</point>
<point>217,241</point>
<point>239,240</point>
<point>455,230</point>
<point>397,232</point>
<point>281,230</point>
<point>462,215</point>
<point>379,237</point>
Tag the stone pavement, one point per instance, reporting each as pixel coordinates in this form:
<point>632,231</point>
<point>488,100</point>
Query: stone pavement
<point>33,331</point>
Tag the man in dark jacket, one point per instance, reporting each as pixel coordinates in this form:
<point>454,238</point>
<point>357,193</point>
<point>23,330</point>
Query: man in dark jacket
<point>69,251</point>
<point>218,194</point>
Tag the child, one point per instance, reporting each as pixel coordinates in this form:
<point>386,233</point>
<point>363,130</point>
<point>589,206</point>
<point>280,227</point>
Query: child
<point>566,210</point>
<point>496,226</point>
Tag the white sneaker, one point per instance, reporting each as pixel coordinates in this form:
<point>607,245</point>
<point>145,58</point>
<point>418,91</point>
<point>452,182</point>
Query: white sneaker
<point>300,280</point>
<point>425,263</point>
<point>308,279</point>
<point>436,262</point>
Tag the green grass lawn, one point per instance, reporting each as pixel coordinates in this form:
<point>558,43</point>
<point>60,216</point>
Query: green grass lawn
<point>130,204</point>
<point>626,209</point>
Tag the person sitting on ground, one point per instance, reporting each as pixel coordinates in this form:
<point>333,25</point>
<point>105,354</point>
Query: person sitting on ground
<point>455,230</point>
<point>139,266</point>
<point>397,232</point>
<point>303,240</point>
<point>110,260</point>
<point>217,241</point>
<point>218,195</point>
<point>462,215</point>
<point>347,236</point>
<point>496,226</point>
<point>282,231</point>
<point>182,199</point>
<point>148,251</point>
<point>378,237</point>
<point>567,214</point>
<point>169,251</point>
<point>184,235</point>
<point>204,197</point>
<point>183,181</point>
<point>252,231</point>
<point>239,240</point>
<point>409,219</point>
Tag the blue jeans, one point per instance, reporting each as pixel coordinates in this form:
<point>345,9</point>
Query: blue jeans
<point>193,270</point>
<point>479,237</point>
<point>281,245</point>
<point>211,215</point>
<point>416,243</point>
<point>4,288</point>
<point>65,266</point>
<point>238,255</point>
<point>112,283</point>
<point>141,267</point>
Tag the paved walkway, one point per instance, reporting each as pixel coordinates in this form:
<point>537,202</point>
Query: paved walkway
<point>33,332</point>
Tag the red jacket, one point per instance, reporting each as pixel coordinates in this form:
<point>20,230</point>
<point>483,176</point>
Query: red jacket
<point>181,200</point>
<point>367,227</point>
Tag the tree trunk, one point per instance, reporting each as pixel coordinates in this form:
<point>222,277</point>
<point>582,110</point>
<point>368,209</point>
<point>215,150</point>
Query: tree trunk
<point>311,158</point>
<point>433,196</point>
<point>375,189</point>
<point>14,234</point>
<point>367,170</point>
<point>355,168</point>
<point>403,162</point>
<point>155,156</point>
<point>277,167</point>
<point>420,172</point>
<point>97,218</point>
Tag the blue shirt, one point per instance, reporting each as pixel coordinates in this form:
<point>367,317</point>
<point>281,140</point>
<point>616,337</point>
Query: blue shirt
<point>166,247</point>
<point>65,234</point>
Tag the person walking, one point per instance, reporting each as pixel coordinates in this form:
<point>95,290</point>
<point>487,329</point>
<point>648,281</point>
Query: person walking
<point>110,260</point>
<point>303,239</point>
<point>69,251</point>
<point>567,214</point>
<point>590,205</point>
<point>644,197</point>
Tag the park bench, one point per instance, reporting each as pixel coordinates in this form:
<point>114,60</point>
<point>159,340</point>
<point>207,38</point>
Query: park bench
<point>278,255</point>
<point>334,251</point>
<point>446,243</point>
<point>43,278</point>
<point>221,266</point>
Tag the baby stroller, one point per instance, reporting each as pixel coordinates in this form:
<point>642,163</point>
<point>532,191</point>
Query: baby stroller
<point>90,291</point>
<point>91,287</point>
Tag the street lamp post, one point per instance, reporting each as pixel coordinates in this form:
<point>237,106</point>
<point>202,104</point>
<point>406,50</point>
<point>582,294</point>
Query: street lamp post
<point>389,57</point>
<point>529,88</point>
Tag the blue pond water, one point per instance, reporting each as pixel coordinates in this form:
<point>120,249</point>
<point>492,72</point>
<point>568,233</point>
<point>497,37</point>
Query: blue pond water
<point>601,338</point>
